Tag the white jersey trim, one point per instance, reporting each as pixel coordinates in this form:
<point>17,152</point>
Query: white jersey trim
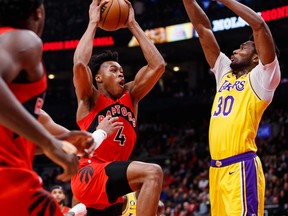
<point>264,78</point>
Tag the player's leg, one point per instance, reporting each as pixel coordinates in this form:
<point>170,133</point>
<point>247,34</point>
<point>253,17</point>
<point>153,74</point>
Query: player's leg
<point>116,187</point>
<point>227,193</point>
<point>255,186</point>
<point>215,192</point>
<point>117,184</point>
<point>146,178</point>
<point>247,192</point>
<point>260,185</point>
<point>237,189</point>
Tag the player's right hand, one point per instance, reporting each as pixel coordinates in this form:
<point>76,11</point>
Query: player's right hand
<point>63,153</point>
<point>95,10</point>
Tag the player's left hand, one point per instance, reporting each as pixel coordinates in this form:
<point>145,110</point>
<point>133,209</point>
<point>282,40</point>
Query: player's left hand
<point>82,140</point>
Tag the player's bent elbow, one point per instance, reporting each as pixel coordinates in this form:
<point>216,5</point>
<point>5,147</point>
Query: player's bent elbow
<point>79,64</point>
<point>161,67</point>
<point>260,25</point>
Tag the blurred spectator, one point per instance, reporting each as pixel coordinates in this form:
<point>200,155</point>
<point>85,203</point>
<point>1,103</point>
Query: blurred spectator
<point>58,193</point>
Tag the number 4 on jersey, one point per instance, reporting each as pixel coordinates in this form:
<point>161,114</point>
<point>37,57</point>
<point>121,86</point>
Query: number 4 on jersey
<point>120,137</point>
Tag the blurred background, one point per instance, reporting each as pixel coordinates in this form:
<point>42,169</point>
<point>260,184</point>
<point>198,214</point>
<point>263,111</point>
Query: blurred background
<point>173,118</point>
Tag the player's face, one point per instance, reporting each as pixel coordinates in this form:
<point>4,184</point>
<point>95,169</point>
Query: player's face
<point>58,195</point>
<point>243,57</point>
<point>112,78</point>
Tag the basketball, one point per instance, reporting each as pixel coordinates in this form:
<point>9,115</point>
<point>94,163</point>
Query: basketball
<point>114,15</point>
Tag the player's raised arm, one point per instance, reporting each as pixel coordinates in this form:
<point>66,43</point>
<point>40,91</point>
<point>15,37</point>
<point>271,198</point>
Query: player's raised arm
<point>202,25</point>
<point>83,79</point>
<point>148,75</point>
<point>263,39</point>
<point>46,120</point>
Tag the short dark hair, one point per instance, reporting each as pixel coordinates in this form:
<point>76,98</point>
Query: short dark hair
<point>97,59</point>
<point>14,11</point>
<point>57,187</point>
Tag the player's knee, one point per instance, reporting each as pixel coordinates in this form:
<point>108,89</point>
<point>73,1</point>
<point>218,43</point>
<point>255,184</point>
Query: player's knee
<point>154,173</point>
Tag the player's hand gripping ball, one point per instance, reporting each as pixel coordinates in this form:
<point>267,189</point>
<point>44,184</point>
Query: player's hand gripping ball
<point>114,15</point>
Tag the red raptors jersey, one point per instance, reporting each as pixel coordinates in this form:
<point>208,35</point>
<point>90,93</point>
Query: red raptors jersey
<point>15,150</point>
<point>119,145</point>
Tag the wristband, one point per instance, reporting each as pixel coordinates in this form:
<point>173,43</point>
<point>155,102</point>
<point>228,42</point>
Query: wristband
<point>79,208</point>
<point>99,135</point>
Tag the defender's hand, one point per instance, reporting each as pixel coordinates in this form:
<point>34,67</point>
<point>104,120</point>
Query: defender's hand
<point>82,140</point>
<point>63,154</point>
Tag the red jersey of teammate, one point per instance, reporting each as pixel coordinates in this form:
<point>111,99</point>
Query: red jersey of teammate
<point>16,151</point>
<point>18,182</point>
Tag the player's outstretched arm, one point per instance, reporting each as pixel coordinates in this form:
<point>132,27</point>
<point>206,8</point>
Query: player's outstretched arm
<point>148,75</point>
<point>54,128</point>
<point>82,77</point>
<point>262,36</point>
<point>203,27</point>
<point>82,140</point>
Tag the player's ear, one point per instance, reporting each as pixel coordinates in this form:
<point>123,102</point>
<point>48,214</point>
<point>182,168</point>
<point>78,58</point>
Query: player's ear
<point>39,13</point>
<point>98,78</point>
<point>255,59</point>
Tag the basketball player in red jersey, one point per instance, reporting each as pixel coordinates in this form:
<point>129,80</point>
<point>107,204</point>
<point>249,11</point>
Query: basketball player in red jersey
<point>102,181</point>
<point>23,84</point>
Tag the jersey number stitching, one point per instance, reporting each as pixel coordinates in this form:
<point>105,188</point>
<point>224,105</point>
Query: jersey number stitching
<point>226,107</point>
<point>120,137</point>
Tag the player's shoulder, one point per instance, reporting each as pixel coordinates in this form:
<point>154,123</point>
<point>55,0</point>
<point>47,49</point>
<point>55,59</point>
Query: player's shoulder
<point>128,86</point>
<point>22,41</point>
<point>20,50</point>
